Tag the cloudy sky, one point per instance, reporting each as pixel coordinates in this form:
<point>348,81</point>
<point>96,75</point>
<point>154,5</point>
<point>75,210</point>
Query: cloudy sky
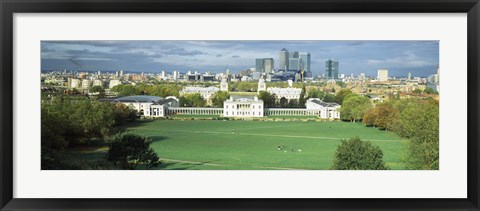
<point>421,58</point>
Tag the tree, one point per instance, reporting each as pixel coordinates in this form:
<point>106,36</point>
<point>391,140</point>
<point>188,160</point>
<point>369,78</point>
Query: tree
<point>126,90</point>
<point>429,90</point>
<point>313,93</point>
<point>98,89</point>
<point>302,99</point>
<point>341,95</point>
<point>283,102</point>
<point>419,122</point>
<point>269,99</point>
<point>329,98</point>
<point>219,97</point>
<point>417,91</point>
<point>384,116</point>
<point>130,150</point>
<point>354,107</point>
<point>355,154</point>
<point>192,100</point>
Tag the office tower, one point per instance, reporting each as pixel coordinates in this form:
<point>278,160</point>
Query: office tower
<point>331,69</point>
<point>268,65</point>
<point>409,76</point>
<point>264,65</point>
<point>259,65</point>
<point>362,76</point>
<point>305,61</point>
<point>283,60</point>
<point>121,72</point>
<point>382,75</point>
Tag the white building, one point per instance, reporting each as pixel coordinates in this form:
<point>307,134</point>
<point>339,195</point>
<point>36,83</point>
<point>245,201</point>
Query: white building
<point>327,110</point>
<point>86,84</point>
<point>243,107</point>
<point>288,93</point>
<point>205,92</point>
<point>382,75</point>
<point>147,105</point>
<point>262,86</point>
<point>159,109</point>
<point>224,85</point>
<point>75,83</point>
<point>114,83</point>
<point>97,82</point>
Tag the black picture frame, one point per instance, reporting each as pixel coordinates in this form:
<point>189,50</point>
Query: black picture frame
<point>10,7</point>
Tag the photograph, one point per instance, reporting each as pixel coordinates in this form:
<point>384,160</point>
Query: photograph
<point>240,104</point>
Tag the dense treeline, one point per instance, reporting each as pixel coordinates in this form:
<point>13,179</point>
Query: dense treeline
<point>415,119</point>
<point>75,121</point>
<point>160,90</point>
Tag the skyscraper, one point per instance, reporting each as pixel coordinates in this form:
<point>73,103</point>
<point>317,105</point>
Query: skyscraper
<point>259,65</point>
<point>294,61</point>
<point>263,65</point>
<point>331,69</point>
<point>305,61</point>
<point>268,65</point>
<point>382,75</point>
<point>283,60</point>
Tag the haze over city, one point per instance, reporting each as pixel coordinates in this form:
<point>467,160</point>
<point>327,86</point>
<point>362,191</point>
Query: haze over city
<point>421,58</point>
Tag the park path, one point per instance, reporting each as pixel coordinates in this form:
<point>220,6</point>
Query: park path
<point>217,164</point>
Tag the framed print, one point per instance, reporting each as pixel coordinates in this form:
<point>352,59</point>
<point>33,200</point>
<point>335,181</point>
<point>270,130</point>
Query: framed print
<point>239,105</point>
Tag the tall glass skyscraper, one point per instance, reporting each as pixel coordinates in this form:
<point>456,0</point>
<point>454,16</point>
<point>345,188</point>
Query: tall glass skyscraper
<point>331,69</point>
<point>264,65</point>
<point>305,60</point>
<point>283,60</point>
<point>259,65</point>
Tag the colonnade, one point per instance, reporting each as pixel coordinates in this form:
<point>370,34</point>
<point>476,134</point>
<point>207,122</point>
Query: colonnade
<point>291,112</point>
<point>194,111</point>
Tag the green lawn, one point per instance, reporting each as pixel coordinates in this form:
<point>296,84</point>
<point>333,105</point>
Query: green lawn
<point>214,144</point>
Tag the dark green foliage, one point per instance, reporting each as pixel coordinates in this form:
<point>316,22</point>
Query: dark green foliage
<point>269,100</point>
<point>161,90</point>
<point>355,154</point>
<point>329,98</point>
<point>130,150</point>
<point>192,100</point>
<point>219,97</point>
<point>72,121</point>
<point>419,122</point>
<point>354,107</point>
<point>341,95</point>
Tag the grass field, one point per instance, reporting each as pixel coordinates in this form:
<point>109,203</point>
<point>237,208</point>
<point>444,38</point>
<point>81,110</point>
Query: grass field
<point>211,144</point>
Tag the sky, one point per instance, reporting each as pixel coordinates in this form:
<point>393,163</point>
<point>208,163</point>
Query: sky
<point>421,58</point>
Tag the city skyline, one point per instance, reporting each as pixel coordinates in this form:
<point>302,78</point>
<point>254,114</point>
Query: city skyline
<point>421,58</point>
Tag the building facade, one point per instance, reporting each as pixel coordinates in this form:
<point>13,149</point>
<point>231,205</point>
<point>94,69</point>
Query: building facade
<point>205,92</point>
<point>382,75</point>
<point>326,110</point>
<point>243,107</point>
<point>331,69</point>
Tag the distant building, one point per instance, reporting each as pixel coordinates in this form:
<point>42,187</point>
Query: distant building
<point>288,93</point>
<point>243,107</point>
<point>409,76</point>
<point>224,85</point>
<point>382,75</point>
<point>114,82</point>
<point>327,110</point>
<point>97,82</point>
<point>264,65</point>
<point>205,92</point>
<point>86,84</point>
<point>262,85</point>
<point>331,69</point>
<point>75,83</point>
<point>283,60</point>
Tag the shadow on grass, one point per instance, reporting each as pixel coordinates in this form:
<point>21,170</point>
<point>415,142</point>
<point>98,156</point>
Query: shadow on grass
<point>157,138</point>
